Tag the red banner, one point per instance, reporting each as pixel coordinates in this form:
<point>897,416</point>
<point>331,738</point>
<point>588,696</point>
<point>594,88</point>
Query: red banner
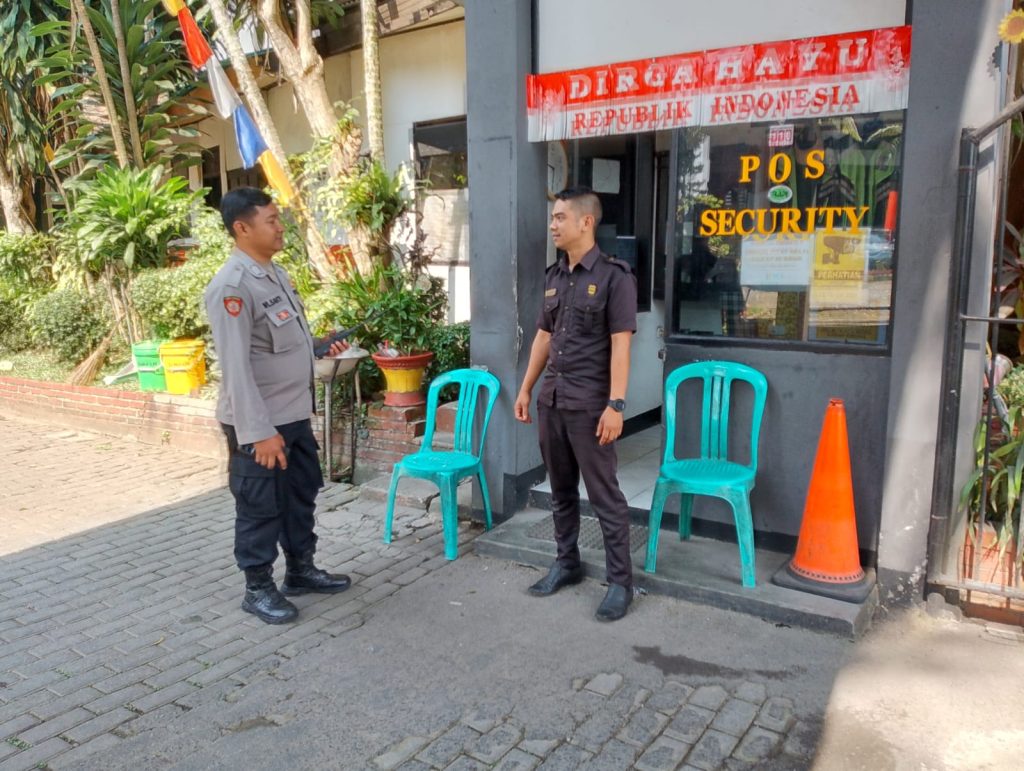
<point>847,74</point>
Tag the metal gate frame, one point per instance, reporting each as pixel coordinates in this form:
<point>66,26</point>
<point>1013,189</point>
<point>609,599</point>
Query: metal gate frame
<point>944,500</point>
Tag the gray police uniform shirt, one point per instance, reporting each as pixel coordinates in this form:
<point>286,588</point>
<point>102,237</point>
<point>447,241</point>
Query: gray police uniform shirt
<point>264,347</point>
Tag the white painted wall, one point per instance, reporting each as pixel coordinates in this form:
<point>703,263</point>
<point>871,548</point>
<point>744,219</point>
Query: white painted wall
<point>586,33</point>
<point>423,77</point>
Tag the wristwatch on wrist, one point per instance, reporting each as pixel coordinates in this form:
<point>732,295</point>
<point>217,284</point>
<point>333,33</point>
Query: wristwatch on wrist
<point>617,404</point>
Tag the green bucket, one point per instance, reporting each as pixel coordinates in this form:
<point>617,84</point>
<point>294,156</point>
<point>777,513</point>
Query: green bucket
<point>147,363</point>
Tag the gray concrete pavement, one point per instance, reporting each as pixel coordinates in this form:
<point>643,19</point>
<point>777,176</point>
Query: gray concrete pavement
<point>122,646</point>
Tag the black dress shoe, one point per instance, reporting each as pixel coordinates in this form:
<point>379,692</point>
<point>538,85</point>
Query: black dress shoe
<point>302,577</point>
<point>615,603</point>
<point>556,578</point>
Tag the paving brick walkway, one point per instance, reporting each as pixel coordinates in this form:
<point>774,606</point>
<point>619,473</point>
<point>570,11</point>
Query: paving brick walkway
<point>618,724</point>
<point>122,644</point>
<point>119,599</point>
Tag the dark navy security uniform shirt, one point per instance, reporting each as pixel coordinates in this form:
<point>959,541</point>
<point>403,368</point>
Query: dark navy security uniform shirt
<point>582,309</point>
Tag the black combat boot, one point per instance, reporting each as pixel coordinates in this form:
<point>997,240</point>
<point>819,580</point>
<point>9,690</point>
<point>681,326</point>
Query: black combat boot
<point>302,576</point>
<point>262,598</point>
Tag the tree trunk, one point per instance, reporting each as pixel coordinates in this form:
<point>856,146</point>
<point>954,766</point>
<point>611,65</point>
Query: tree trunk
<point>247,81</point>
<point>304,69</point>
<point>10,198</point>
<point>315,244</point>
<point>371,80</point>
<point>104,83</point>
<point>126,80</point>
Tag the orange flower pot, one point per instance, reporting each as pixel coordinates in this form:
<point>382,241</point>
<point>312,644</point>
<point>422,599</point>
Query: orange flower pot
<point>403,376</point>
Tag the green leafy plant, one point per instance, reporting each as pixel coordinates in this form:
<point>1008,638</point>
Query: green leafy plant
<point>450,344</point>
<point>1003,475</point>
<point>126,217</point>
<point>68,321</point>
<point>122,223</point>
<point>1012,387</point>
<point>372,198</point>
<point>294,258</point>
<point>403,308</point>
<point>162,85</point>
<point>362,204</point>
<point>170,300</point>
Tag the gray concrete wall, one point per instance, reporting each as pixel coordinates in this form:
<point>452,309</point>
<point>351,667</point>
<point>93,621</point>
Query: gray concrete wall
<point>800,385</point>
<point>507,179</point>
<point>952,85</point>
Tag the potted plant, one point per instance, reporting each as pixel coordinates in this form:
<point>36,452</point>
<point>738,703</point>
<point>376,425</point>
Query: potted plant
<point>402,308</point>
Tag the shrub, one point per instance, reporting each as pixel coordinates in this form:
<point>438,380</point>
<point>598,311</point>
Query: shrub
<point>68,321</point>
<point>170,300</point>
<point>450,344</point>
<point>14,332</point>
<point>26,262</point>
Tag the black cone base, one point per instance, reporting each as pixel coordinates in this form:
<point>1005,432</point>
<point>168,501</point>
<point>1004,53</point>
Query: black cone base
<point>855,592</point>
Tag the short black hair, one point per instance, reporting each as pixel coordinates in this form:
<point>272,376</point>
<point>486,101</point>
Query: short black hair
<point>584,198</point>
<point>240,204</point>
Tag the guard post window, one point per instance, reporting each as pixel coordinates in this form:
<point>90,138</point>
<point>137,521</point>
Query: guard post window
<point>787,231</point>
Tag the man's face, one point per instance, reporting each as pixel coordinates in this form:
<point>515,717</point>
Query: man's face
<point>567,225</point>
<point>263,231</point>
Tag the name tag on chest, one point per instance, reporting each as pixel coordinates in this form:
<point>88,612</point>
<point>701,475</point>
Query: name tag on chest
<point>280,316</point>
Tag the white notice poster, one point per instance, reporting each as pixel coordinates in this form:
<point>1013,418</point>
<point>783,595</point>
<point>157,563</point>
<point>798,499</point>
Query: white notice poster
<point>776,260</point>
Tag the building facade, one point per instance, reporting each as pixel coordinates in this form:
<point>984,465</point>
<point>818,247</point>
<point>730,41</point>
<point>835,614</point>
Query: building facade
<point>783,178</point>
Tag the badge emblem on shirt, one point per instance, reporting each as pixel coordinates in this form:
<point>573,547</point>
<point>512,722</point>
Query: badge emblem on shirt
<point>592,289</point>
<point>284,315</point>
<point>550,292</point>
<point>233,305</point>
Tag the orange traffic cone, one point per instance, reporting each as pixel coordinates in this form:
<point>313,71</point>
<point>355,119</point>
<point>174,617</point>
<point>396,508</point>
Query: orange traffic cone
<point>827,560</point>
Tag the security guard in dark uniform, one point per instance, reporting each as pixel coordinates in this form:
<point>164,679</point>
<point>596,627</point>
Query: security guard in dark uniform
<point>583,337</point>
<point>266,356</point>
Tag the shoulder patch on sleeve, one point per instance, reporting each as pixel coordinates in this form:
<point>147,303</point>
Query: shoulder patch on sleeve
<point>233,305</point>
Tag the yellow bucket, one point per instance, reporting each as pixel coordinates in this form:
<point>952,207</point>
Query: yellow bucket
<point>184,363</point>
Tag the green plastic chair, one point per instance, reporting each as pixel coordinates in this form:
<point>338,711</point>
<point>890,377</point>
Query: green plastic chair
<point>712,473</point>
<point>446,468</point>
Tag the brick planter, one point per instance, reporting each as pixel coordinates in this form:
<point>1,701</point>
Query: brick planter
<point>189,424</point>
<point>388,434</point>
<point>154,418</point>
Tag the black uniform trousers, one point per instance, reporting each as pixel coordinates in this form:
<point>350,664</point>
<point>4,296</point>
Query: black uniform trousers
<point>569,447</point>
<point>274,505</point>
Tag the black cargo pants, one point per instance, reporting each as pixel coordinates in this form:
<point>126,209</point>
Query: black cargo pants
<point>570,449</point>
<point>274,505</point>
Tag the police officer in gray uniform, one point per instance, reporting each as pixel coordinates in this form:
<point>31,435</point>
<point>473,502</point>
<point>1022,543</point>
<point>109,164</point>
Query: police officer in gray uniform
<point>266,356</point>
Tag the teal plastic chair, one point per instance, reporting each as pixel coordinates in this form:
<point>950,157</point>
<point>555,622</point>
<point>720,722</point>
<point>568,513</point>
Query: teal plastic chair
<point>446,468</point>
<point>712,473</point>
